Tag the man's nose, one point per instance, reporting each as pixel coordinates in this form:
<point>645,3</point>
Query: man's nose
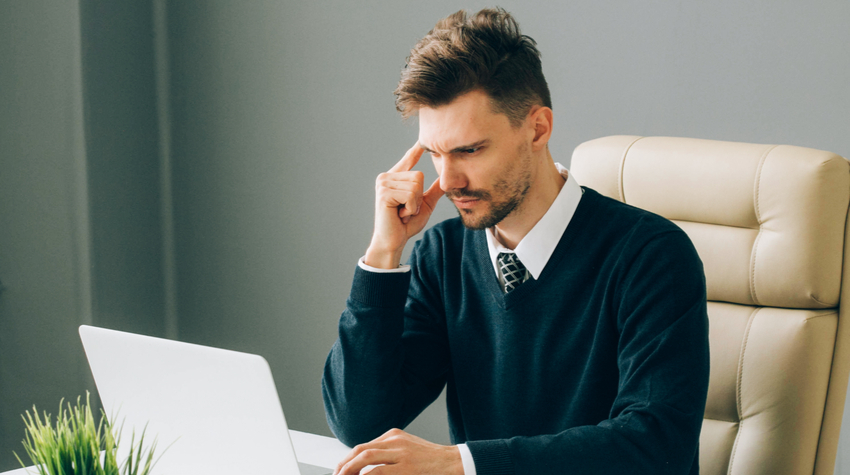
<point>451,178</point>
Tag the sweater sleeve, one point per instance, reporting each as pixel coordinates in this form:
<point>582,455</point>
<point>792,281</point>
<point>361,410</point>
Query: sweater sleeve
<point>391,357</point>
<point>663,363</point>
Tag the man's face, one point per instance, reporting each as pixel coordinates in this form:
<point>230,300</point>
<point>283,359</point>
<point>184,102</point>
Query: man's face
<point>485,164</point>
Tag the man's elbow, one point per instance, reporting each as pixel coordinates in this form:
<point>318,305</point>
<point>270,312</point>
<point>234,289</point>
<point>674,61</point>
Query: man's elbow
<point>350,428</point>
<point>352,433</point>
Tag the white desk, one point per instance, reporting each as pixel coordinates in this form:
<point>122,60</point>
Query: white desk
<point>309,448</point>
<point>317,449</point>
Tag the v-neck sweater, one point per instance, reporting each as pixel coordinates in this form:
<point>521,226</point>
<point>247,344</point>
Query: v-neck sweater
<point>600,366</point>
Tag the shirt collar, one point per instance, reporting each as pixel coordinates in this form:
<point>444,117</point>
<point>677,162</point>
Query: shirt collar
<point>535,249</point>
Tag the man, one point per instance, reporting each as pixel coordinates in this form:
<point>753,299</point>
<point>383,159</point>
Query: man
<point>569,329</point>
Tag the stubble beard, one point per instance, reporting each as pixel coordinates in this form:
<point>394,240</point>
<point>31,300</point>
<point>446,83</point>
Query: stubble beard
<point>498,210</point>
<point>514,193</point>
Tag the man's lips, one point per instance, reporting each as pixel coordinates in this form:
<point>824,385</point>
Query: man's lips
<point>465,203</point>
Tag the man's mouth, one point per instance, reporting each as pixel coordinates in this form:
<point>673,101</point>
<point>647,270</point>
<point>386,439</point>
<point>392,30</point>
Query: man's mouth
<point>465,203</point>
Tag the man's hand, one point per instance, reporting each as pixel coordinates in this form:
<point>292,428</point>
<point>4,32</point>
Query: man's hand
<point>401,209</point>
<point>397,452</point>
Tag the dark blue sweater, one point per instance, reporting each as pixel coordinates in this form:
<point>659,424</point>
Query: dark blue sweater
<point>598,367</point>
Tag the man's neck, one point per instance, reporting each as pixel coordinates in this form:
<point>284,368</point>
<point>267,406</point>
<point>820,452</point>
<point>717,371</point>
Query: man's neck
<point>545,189</point>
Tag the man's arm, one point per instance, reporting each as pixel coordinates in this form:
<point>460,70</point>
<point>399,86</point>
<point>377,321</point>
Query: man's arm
<point>390,362</point>
<point>385,369</point>
<point>364,367</point>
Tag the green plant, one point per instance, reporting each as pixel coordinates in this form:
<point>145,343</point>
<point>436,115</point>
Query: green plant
<point>74,445</point>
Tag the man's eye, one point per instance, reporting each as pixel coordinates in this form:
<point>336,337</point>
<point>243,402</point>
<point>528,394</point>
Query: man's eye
<point>471,150</point>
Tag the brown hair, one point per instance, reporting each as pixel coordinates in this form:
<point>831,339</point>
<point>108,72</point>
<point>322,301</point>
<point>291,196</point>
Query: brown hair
<point>485,51</point>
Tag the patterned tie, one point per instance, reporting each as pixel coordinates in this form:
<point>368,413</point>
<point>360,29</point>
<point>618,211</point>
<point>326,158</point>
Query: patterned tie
<point>512,270</point>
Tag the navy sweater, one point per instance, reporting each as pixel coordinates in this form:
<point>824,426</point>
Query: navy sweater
<point>598,367</point>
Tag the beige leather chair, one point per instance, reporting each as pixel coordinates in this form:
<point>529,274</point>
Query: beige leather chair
<point>769,223</point>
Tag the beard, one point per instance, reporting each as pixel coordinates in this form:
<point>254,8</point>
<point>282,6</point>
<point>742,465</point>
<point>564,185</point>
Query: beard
<point>511,186</point>
<point>498,211</point>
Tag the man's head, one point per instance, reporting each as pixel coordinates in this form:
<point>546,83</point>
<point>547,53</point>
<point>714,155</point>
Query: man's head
<point>484,115</point>
<point>486,52</point>
<point>487,166</point>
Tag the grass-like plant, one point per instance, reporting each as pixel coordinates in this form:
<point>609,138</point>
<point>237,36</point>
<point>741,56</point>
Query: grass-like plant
<point>79,446</point>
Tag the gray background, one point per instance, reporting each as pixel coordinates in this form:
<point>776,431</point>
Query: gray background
<point>204,170</point>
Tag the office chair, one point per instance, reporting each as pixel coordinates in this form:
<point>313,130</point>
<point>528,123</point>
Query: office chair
<point>769,223</point>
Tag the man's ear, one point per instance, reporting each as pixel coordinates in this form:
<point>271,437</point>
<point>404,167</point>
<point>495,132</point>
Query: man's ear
<point>540,119</point>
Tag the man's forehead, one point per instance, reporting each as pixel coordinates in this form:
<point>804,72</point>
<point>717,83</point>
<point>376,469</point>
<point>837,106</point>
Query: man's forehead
<point>446,135</point>
<point>448,140</point>
<point>467,120</point>
<point>444,139</point>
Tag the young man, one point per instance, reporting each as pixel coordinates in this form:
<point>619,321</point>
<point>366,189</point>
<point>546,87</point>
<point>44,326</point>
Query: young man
<point>569,329</point>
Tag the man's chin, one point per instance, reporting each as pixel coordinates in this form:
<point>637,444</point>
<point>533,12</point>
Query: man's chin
<point>474,221</point>
<point>492,215</point>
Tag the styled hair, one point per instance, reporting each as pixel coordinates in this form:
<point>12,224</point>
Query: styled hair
<point>485,51</point>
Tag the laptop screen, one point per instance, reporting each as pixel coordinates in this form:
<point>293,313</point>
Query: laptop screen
<point>213,411</point>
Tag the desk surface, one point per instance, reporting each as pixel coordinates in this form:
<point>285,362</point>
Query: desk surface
<point>309,448</point>
<point>318,449</point>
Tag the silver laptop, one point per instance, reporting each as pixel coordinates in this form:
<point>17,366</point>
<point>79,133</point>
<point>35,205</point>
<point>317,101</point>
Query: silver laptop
<point>212,411</point>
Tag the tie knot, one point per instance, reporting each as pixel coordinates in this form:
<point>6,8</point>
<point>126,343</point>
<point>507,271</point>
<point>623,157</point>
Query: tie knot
<point>512,270</point>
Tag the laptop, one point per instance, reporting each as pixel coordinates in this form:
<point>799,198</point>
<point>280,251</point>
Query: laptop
<point>212,411</point>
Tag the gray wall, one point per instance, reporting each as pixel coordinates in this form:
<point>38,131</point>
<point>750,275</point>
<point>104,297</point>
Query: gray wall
<point>122,160</point>
<point>280,114</point>
<point>80,225</point>
<point>43,218</point>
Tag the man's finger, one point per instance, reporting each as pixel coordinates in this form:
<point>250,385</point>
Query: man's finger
<point>409,159</point>
<point>433,195</point>
<point>407,202</point>
<point>376,444</point>
<point>378,470</point>
<point>388,178</point>
<point>371,456</point>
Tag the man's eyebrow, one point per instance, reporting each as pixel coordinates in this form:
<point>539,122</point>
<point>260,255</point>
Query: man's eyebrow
<point>467,147</point>
<point>461,148</point>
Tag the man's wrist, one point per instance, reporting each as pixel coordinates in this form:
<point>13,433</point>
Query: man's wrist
<point>400,269</point>
<point>382,259</point>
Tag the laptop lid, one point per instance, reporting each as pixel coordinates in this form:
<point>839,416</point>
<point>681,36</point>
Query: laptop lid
<point>216,411</point>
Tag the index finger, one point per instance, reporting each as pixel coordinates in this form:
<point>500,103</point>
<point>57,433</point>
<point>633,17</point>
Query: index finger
<point>409,159</point>
<point>433,195</point>
<point>353,454</point>
<point>348,458</point>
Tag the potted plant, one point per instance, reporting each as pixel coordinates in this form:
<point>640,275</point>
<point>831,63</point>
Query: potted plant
<point>76,445</point>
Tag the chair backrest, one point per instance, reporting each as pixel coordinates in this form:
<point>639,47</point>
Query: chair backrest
<point>769,223</point>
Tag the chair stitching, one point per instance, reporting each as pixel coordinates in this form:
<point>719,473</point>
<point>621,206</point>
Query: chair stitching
<point>813,317</point>
<point>753,267</point>
<point>818,301</point>
<point>757,209</point>
<point>736,421</point>
<point>738,385</point>
<point>620,187</point>
<point>740,375</point>
<point>680,220</point>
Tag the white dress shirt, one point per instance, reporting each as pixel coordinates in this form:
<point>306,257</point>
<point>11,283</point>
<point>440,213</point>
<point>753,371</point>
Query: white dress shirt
<point>534,251</point>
